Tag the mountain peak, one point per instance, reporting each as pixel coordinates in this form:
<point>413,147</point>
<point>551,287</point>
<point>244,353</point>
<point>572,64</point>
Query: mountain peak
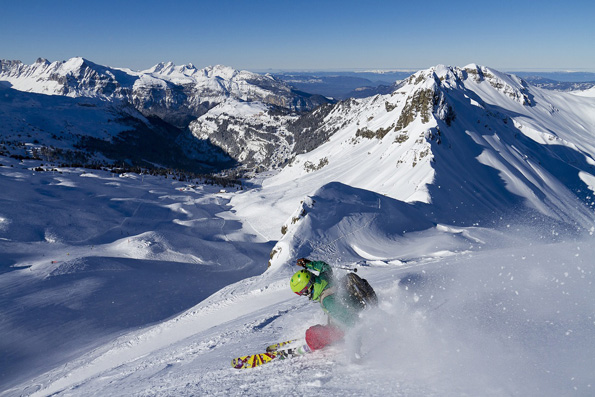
<point>75,63</point>
<point>162,68</point>
<point>222,71</point>
<point>438,122</point>
<point>188,69</point>
<point>170,69</point>
<point>442,77</point>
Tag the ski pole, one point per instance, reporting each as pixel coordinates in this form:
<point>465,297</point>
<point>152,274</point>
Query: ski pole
<point>351,269</point>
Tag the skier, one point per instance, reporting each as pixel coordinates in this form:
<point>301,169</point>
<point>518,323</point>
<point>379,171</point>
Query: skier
<point>341,308</point>
<point>342,300</point>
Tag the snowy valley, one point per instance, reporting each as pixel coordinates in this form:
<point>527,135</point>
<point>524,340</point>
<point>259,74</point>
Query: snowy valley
<point>465,196</point>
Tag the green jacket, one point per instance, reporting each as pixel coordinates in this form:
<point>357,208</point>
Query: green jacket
<point>336,304</point>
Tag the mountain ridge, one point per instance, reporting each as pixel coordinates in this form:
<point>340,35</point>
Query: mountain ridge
<point>175,94</point>
<point>443,130</point>
<point>157,91</point>
<point>456,140</point>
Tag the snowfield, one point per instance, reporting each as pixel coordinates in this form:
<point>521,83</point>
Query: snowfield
<point>464,311</point>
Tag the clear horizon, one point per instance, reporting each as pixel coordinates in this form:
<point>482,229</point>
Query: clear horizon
<point>309,35</point>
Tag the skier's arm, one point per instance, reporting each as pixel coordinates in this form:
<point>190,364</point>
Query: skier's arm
<point>319,266</point>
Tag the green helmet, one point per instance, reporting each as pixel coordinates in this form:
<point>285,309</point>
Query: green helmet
<point>301,281</point>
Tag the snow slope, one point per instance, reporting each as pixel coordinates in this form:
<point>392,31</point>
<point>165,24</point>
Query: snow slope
<point>464,311</point>
<point>88,255</point>
<point>90,130</point>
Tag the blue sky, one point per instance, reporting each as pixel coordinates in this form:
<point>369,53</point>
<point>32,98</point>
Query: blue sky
<point>298,35</point>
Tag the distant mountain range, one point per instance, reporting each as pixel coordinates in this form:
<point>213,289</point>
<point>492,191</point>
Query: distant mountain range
<point>565,77</point>
<point>149,111</point>
<point>344,85</point>
<point>176,94</point>
<point>550,84</point>
<point>469,137</point>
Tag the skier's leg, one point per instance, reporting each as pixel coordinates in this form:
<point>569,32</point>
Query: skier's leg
<point>320,336</point>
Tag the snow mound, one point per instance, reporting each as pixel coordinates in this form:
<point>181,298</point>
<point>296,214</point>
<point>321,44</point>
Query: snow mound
<point>350,224</point>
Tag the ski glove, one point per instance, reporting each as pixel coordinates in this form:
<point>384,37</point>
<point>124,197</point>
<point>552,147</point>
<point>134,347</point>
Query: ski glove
<point>302,262</point>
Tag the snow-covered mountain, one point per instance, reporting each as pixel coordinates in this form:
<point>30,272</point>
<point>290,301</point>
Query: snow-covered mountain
<point>460,141</point>
<point>465,197</point>
<point>177,94</point>
<point>87,131</point>
<point>252,119</point>
<point>437,138</point>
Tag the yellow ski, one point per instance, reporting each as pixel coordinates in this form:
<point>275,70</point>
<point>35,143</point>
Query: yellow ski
<point>256,360</point>
<point>276,346</point>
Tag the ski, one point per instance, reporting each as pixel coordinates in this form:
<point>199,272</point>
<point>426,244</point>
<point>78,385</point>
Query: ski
<point>256,360</point>
<point>276,346</point>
